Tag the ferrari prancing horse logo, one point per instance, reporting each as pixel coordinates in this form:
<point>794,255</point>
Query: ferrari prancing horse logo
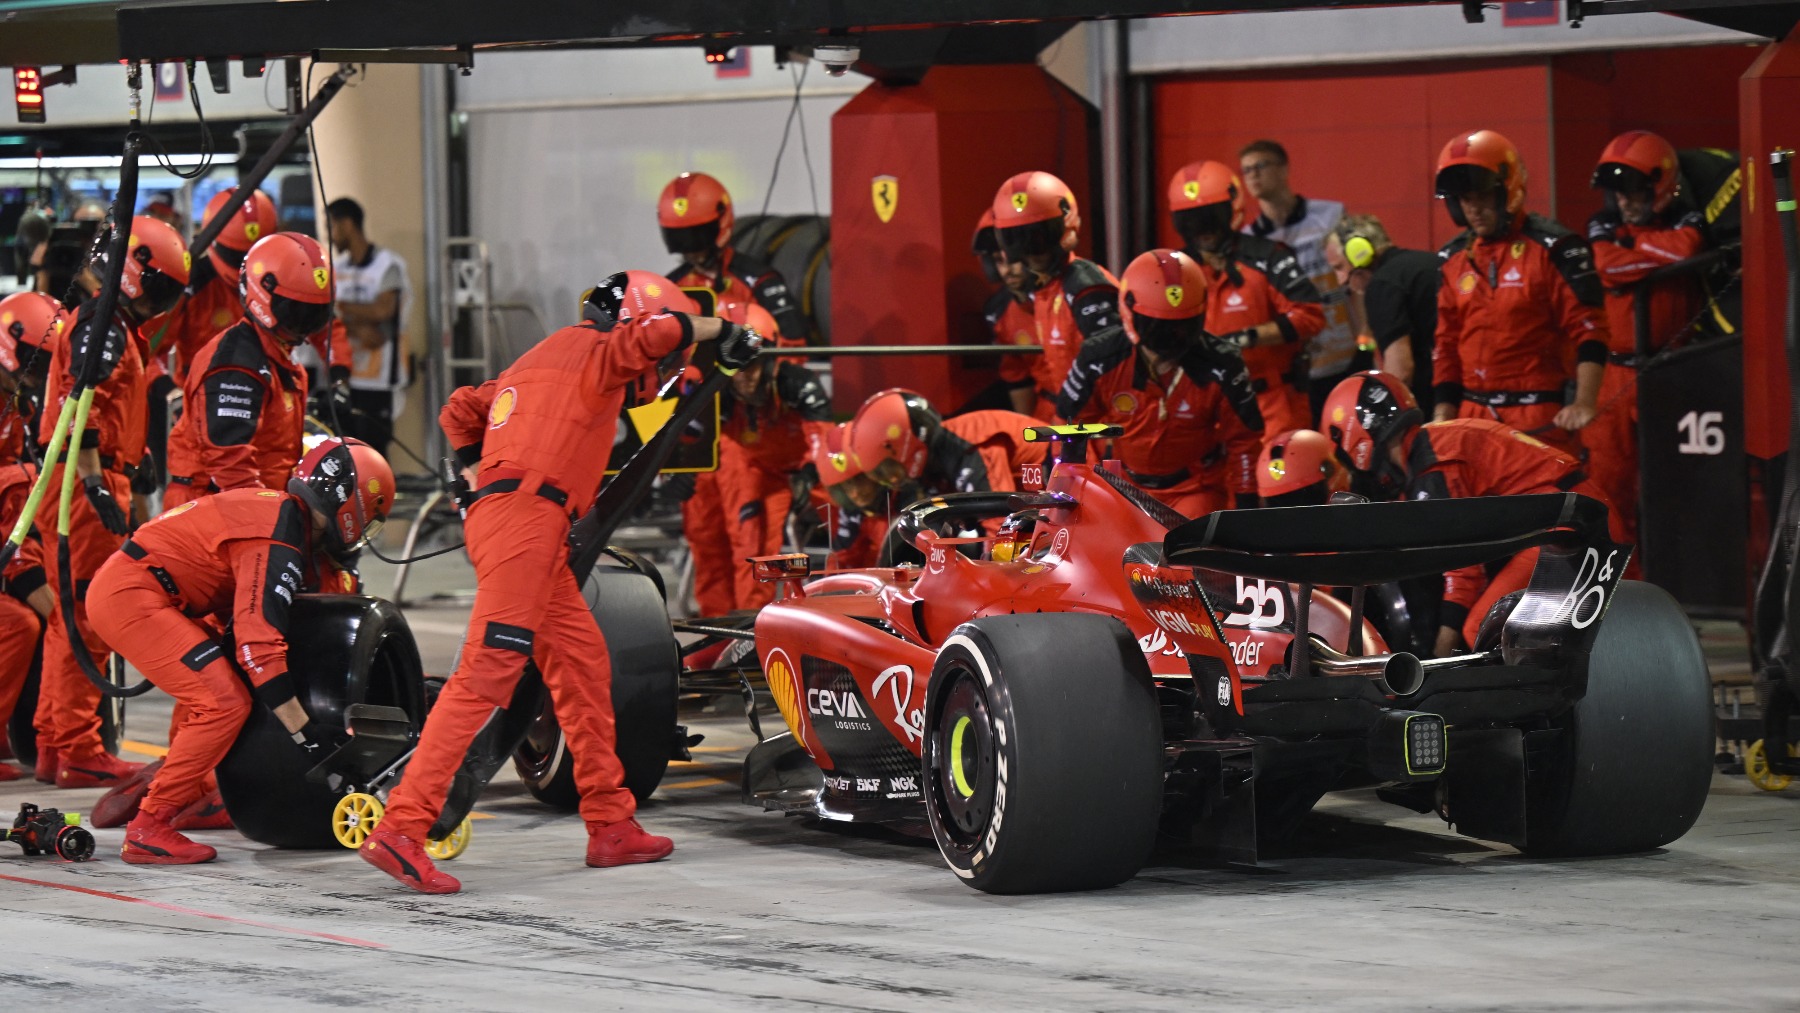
<point>885,192</point>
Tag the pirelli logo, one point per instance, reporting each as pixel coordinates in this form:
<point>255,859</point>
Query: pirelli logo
<point>1727,192</point>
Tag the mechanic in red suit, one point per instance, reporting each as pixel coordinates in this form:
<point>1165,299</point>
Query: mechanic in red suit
<point>1037,224</point>
<point>1373,418</point>
<point>28,321</point>
<point>739,511</point>
<point>899,440</point>
<point>246,396</point>
<point>1519,305</point>
<point>1256,296</point>
<point>70,751</point>
<point>239,558</point>
<point>211,302</point>
<point>530,435</point>
<point>848,500</point>
<point>1299,468</point>
<point>1191,421</point>
<point>696,217</point>
<point>1642,228</point>
<point>1010,321</point>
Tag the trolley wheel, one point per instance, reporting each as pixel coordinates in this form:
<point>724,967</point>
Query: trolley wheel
<point>354,816</point>
<point>1756,768</point>
<point>455,843</point>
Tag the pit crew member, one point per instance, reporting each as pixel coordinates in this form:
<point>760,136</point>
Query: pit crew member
<point>897,438</point>
<point>1299,468</point>
<point>1009,319</point>
<point>696,216</point>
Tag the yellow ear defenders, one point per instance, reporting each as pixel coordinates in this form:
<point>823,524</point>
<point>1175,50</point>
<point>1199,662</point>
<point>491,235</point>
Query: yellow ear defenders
<point>1359,252</point>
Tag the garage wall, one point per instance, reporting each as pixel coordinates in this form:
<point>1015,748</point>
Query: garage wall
<point>568,151</point>
<point>1369,136</point>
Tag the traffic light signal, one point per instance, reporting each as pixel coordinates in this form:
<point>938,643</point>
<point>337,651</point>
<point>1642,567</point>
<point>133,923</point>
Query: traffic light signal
<point>28,94</point>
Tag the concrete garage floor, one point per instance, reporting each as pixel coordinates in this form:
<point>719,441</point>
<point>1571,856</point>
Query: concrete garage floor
<point>1371,908</point>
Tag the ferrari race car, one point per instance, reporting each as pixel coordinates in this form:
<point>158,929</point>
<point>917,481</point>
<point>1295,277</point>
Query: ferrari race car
<point>1046,701</point>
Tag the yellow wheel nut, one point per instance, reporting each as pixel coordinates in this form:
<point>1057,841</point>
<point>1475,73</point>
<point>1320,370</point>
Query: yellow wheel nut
<point>354,816</point>
<point>1756,767</point>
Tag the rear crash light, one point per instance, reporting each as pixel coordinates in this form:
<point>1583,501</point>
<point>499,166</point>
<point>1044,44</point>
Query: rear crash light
<point>1407,746</point>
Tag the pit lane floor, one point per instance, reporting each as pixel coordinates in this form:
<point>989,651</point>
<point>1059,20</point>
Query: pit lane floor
<point>1371,908</point>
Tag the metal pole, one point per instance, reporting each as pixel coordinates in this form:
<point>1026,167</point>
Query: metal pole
<point>1107,71</point>
<point>434,110</point>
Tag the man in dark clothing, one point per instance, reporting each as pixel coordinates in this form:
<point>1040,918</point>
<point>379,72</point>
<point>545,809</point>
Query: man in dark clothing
<point>1393,298</point>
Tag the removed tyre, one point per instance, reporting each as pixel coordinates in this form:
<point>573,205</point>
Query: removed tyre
<point>1043,753</point>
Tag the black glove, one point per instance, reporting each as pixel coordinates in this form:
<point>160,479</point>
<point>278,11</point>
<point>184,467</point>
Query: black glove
<point>737,346</point>
<point>101,499</point>
<point>312,741</point>
<point>1605,227</point>
<point>1239,340</point>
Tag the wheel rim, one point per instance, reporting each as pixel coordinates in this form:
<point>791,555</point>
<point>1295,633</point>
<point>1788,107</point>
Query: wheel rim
<point>452,845</point>
<point>962,768</point>
<point>537,755</point>
<point>353,817</point>
<point>1756,767</point>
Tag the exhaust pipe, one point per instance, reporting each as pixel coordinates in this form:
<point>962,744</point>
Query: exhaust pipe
<point>1398,674</point>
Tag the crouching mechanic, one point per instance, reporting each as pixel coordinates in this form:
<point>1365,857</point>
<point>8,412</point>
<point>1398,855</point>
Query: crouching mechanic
<point>238,557</point>
<point>1191,420</point>
<point>897,438</point>
<point>1299,468</point>
<point>531,436</point>
<point>1373,418</point>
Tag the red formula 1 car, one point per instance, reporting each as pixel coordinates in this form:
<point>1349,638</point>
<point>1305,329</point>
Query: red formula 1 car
<point>1045,701</point>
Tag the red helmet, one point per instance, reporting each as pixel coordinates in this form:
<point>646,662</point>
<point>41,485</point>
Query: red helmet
<point>348,482</point>
<point>1206,198</point>
<point>1477,163</point>
<point>254,219</point>
<point>286,286</point>
<point>156,263</point>
<point>1365,411</point>
<point>830,456</point>
<point>1640,160</point>
<point>695,214</point>
<point>890,436</point>
<point>1299,460</point>
<point>29,322</point>
<point>1034,214</point>
<point>630,295</point>
<point>1163,293</point>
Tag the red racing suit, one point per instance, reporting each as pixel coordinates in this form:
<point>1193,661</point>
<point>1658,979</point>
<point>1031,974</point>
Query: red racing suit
<point>238,557</point>
<point>244,419</point>
<point>744,280</point>
<point>1079,302</point>
<point>1624,255</point>
<point>540,431</point>
<point>981,452</point>
<point>1480,457</point>
<point>1261,282</point>
<point>1010,321</point>
<point>21,627</point>
<point>1515,313</point>
<point>67,716</point>
<point>740,510</point>
<point>1192,434</point>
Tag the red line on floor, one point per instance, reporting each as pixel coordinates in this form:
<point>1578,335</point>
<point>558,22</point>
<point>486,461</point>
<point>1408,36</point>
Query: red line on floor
<point>190,911</point>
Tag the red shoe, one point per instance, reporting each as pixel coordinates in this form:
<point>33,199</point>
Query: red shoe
<point>47,761</point>
<point>150,840</point>
<point>623,842</point>
<point>204,813</point>
<point>405,859</point>
<point>8,772</point>
<point>101,770</point>
<point>118,806</point>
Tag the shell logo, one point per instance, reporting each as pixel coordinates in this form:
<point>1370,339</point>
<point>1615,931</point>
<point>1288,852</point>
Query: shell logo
<point>266,494</point>
<point>374,486</point>
<point>1337,415</point>
<point>1277,470</point>
<point>321,277</point>
<point>6,319</point>
<point>783,686</point>
<point>252,230</point>
<point>1174,294</point>
<point>1019,200</point>
<point>1466,284</point>
<point>1022,338</point>
<point>893,431</point>
<point>502,408</point>
<point>1124,404</point>
<point>680,204</point>
<point>653,290</point>
<point>257,267</point>
<point>1191,189</point>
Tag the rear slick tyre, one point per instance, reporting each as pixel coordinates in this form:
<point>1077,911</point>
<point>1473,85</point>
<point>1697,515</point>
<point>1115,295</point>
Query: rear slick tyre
<point>1631,769</point>
<point>1043,754</point>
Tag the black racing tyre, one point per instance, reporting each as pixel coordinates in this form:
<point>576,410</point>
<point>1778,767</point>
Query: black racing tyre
<point>356,650</point>
<point>1043,753</point>
<point>646,677</point>
<point>1632,768</point>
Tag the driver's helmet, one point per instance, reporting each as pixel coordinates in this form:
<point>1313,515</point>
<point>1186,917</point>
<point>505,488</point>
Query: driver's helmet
<point>350,483</point>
